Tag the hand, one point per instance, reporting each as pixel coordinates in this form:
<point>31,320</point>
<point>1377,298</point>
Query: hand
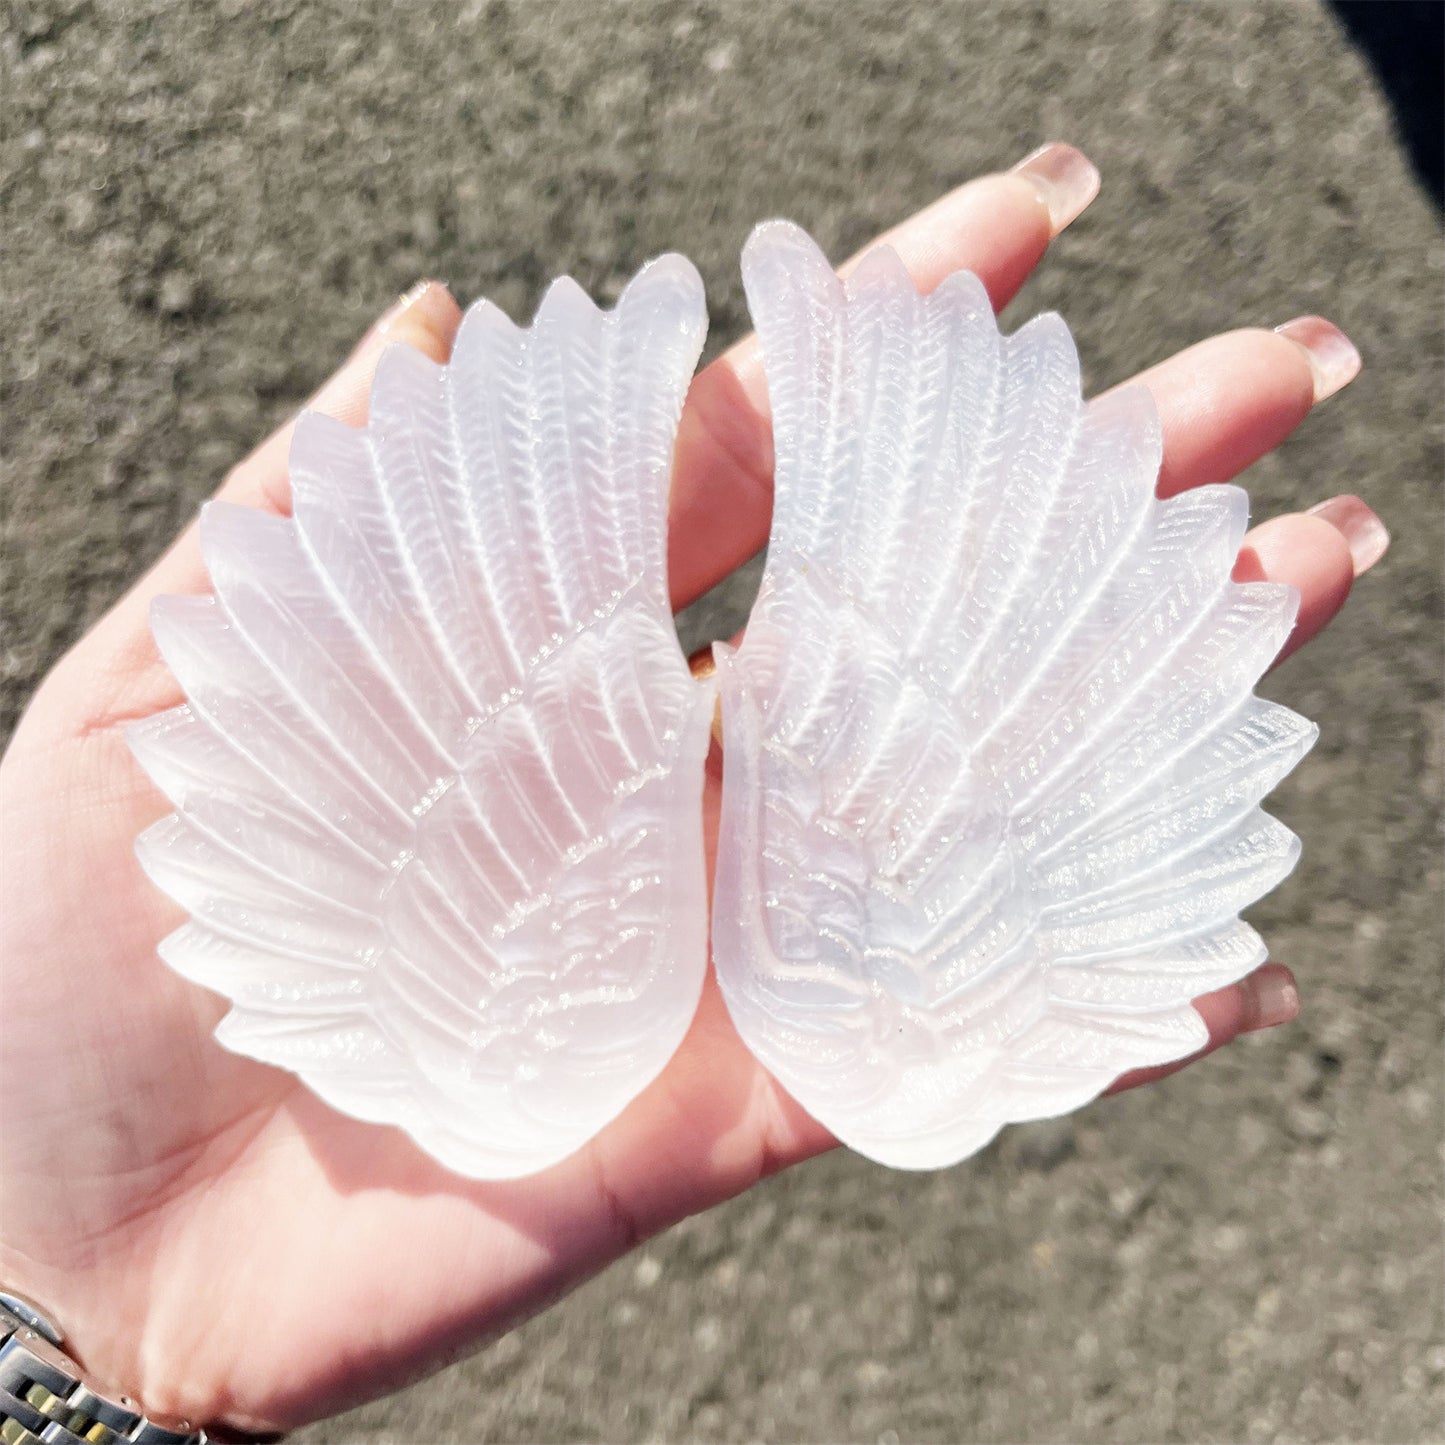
<point>223,1247</point>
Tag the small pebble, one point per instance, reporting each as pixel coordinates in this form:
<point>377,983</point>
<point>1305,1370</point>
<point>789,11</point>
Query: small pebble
<point>177,294</point>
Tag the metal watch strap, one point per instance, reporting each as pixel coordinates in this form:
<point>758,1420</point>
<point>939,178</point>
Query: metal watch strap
<point>44,1397</point>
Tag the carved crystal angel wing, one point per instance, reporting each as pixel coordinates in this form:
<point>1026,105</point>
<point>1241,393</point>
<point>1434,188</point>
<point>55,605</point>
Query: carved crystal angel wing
<point>993,759</point>
<point>438,782</point>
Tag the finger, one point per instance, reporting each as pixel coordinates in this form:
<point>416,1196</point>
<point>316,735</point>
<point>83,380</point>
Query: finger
<point>1265,999</point>
<point>998,227</point>
<point>722,491</point>
<point>426,317</point>
<point>119,671</point>
<point>1320,552</point>
<point>1226,402</point>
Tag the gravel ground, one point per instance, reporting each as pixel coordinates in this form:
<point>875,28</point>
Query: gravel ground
<point>204,205</point>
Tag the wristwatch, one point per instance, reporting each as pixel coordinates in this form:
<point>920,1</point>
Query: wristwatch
<point>44,1396</point>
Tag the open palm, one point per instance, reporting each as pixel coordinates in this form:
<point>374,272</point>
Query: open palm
<point>225,1248</point>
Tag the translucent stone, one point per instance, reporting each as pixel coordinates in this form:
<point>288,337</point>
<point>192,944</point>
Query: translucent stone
<point>993,761</point>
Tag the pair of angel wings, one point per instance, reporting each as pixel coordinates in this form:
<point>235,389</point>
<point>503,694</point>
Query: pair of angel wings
<point>993,761</point>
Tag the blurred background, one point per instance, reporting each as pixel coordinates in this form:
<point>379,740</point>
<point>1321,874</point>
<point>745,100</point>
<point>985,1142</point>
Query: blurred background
<point>205,204</point>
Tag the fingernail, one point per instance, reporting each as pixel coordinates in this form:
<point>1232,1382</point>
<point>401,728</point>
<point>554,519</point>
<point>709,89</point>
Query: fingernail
<point>423,291</point>
<point>1361,528</point>
<point>425,317</point>
<point>1065,178</point>
<point>702,664</point>
<point>1274,999</point>
<point>1332,354</point>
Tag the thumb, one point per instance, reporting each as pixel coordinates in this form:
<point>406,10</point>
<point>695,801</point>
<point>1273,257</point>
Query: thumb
<point>115,674</point>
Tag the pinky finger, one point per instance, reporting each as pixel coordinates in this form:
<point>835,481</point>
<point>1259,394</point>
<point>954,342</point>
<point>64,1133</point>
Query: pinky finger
<point>1265,999</point>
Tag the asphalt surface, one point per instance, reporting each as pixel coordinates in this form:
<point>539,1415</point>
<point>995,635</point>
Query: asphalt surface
<point>203,205</point>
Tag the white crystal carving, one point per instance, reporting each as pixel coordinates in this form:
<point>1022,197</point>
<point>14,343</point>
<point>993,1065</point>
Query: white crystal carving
<point>993,759</point>
<point>438,783</point>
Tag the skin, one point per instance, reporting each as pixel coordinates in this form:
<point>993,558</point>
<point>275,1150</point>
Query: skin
<point>145,1164</point>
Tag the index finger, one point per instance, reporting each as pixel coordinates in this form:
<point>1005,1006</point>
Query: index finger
<point>722,490</point>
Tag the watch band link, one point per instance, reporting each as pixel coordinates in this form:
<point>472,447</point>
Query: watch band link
<point>44,1400</point>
